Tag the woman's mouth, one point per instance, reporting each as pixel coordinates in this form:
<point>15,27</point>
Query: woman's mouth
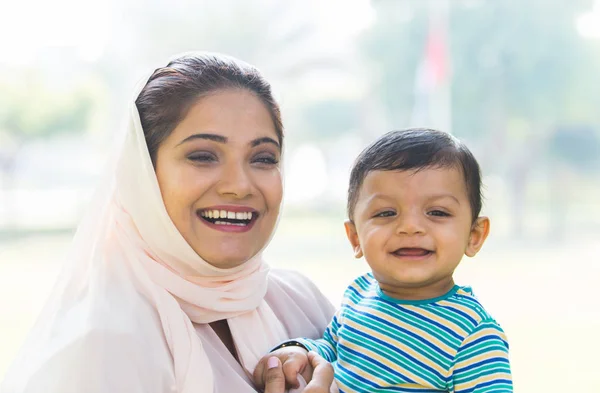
<point>229,219</point>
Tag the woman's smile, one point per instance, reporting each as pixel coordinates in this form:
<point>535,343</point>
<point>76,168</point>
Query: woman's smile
<point>235,219</point>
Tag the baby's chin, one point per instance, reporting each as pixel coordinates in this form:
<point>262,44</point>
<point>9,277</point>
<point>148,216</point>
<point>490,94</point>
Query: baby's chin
<point>411,279</point>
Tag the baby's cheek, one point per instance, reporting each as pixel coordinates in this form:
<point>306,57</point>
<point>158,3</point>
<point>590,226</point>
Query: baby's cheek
<point>373,235</point>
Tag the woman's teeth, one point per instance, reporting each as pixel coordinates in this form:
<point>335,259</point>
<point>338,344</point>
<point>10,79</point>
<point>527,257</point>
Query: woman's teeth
<point>224,217</point>
<point>227,214</point>
<point>239,224</point>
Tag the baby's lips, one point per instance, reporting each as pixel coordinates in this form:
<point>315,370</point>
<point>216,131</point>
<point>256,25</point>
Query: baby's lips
<point>412,252</point>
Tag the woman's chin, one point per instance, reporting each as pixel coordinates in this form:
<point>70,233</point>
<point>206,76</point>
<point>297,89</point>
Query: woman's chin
<point>227,260</point>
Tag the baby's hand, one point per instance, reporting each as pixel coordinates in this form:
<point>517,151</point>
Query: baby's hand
<point>294,361</point>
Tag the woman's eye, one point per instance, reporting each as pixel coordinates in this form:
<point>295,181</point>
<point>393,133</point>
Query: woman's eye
<point>265,160</point>
<point>202,157</point>
<point>387,213</point>
<point>438,213</point>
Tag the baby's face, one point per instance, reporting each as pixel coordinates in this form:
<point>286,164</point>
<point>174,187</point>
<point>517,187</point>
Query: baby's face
<point>413,227</point>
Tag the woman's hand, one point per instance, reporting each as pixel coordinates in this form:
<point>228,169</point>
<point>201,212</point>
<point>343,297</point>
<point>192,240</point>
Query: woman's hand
<point>294,361</point>
<point>322,379</point>
<point>273,376</point>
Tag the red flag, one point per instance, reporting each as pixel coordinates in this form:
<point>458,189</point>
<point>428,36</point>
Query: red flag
<point>431,93</point>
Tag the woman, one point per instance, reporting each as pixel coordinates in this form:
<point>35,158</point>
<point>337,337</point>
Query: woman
<point>165,289</point>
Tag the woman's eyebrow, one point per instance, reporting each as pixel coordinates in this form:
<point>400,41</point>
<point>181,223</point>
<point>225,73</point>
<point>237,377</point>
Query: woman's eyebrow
<point>210,137</point>
<point>265,139</point>
<point>223,139</point>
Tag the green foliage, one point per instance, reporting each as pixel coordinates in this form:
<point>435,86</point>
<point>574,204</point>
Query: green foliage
<point>393,48</point>
<point>578,147</point>
<point>524,57</point>
<point>31,109</point>
<point>331,118</point>
<point>510,60</point>
<point>277,36</point>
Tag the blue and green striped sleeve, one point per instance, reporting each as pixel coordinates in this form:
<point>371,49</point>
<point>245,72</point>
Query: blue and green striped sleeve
<point>481,364</point>
<point>326,346</point>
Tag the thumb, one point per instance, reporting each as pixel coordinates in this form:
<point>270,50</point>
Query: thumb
<point>274,378</point>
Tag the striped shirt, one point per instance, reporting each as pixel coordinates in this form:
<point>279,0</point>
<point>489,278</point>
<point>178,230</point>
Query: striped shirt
<point>380,344</point>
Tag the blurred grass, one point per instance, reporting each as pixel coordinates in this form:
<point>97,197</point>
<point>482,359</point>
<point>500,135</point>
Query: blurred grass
<point>545,295</point>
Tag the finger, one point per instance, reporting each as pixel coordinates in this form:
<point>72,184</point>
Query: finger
<point>307,372</point>
<point>259,372</point>
<point>273,376</point>
<point>334,388</point>
<point>322,375</point>
<point>291,367</point>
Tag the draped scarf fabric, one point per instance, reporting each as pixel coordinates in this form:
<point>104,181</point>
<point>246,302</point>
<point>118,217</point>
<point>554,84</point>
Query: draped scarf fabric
<point>129,234</point>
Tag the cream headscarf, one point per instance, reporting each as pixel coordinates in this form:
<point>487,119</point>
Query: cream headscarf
<point>128,238</point>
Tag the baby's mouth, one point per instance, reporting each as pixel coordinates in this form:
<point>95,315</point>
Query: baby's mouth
<point>224,217</point>
<point>412,252</point>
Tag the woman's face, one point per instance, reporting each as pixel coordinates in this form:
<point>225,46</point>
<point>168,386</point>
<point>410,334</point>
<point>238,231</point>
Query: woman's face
<point>220,178</point>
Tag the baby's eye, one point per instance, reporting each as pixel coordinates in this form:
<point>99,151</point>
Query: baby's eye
<point>202,157</point>
<point>438,213</point>
<point>386,213</point>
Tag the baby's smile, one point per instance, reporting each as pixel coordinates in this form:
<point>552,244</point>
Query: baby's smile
<point>415,253</point>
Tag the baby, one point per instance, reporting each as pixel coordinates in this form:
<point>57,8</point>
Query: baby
<point>413,206</point>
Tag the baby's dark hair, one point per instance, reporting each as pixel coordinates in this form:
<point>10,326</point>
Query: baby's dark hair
<point>415,149</point>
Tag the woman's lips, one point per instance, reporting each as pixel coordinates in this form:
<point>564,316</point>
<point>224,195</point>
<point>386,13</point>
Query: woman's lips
<point>234,219</point>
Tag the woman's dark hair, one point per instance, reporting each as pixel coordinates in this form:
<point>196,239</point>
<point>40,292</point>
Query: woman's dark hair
<point>415,149</point>
<point>172,90</point>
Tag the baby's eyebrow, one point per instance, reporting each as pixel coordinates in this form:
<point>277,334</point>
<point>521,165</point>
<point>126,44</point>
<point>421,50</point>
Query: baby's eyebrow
<point>379,196</point>
<point>444,196</point>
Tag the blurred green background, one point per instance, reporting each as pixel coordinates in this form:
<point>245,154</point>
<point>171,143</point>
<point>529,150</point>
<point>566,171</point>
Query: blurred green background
<point>518,81</point>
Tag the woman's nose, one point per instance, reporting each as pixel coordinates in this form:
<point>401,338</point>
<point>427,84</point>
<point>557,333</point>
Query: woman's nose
<point>235,181</point>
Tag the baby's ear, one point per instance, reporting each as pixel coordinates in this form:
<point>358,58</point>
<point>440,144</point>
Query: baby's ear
<point>479,232</point>
<point>353,237</point>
